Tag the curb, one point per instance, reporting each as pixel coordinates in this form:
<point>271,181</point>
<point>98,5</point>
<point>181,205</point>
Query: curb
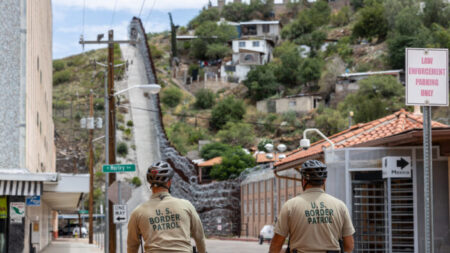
<point>234,239</point>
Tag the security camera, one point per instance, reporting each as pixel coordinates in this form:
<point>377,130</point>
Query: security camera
<point>305,143</point>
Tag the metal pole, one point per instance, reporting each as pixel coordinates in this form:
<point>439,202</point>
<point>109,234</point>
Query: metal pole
<point>106,161</point>
<point>428,179</point>
<point>91,172</point>
<point>120,225</point>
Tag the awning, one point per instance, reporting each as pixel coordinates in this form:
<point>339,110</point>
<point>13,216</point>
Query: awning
<point>20,188</point>
<point>66,195</point>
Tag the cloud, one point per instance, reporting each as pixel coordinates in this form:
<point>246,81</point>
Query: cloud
<point>134,6</point>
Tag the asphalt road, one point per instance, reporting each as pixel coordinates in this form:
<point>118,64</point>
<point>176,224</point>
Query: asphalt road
<point>228,246</point>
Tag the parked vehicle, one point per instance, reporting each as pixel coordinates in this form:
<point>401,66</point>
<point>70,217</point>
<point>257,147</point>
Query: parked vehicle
<point>266,233</point>
<point>69,230</point>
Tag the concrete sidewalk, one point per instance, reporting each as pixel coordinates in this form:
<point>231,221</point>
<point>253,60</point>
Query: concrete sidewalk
<point>69,245</point>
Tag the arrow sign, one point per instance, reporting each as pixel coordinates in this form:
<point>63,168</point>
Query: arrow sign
<point>402,163</point>
<point>397,167</point>
<point>120,214</point>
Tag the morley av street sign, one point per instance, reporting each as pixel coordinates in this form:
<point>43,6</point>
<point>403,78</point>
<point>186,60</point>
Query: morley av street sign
<point>427,76</point>
<point>114,168</point>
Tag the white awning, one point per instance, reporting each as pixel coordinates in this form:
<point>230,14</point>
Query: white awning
<point>20,188</point>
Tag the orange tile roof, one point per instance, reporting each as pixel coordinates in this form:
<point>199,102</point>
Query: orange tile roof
<point>211,162</point>
<point>393,124</point>
<point>262,158</point>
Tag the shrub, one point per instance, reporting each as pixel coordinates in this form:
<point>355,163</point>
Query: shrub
<point>371,23</point>
<point>261,145</point>
<point>204,99</point>
<point>122,149</point>
<point>229,109</point>
<point>214,149</point>
<point>127,133</point>
<point>136,181</point>
<point>130,123</point>
<point>237,134</point>
<point>99,104</point>
<point>58,65</point>
<point>342,17</point>
<point>171,96</point>
<point>61,77</point>
<point>120,118</point>
<point>234,161</point>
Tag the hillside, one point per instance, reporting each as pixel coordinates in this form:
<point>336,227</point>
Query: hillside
<point>225,112</point>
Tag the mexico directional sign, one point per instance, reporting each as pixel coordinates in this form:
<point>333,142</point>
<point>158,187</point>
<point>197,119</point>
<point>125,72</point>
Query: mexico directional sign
<point>114,168</point>
<point>120,214</point>
<point>397,167</point>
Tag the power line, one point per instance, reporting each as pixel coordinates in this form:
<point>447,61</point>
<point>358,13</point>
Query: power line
<point>150,12</point>
<point>142,7</point>
<point>113,14</point>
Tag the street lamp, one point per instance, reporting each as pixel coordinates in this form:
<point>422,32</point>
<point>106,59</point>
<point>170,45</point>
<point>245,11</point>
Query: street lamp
<point>281,148</point>
<point>152,88</point>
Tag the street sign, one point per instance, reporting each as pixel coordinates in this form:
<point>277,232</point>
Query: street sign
<point>427,76</point>
<point>16,212</point>
<point>396,167</point>
<point>83,211</point>
<point>113,192</point>
<point>33,201</point>
<point>114,168</point>
<point>120,214</point>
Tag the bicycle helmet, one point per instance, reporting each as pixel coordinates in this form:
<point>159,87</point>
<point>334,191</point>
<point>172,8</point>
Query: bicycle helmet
<point>159,174</point>
<point>314,172</point>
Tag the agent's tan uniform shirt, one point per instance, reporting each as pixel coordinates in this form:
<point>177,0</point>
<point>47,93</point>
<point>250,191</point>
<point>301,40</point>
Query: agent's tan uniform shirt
<point>315,221</point>
<point>166,225</point>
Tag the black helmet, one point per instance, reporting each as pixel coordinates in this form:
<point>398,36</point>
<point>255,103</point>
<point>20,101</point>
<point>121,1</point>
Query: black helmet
<point>159,174</point>
<point>314,171</point>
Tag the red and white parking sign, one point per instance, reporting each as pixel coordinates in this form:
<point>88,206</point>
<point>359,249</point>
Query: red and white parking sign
<point>427,76</point>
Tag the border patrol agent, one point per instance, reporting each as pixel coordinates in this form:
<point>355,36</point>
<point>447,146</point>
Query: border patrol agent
<point>314,221</point>
<point>165,223</point>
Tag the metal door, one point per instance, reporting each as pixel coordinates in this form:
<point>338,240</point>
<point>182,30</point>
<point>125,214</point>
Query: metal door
<point>383,213</point>
<point>369,212</point>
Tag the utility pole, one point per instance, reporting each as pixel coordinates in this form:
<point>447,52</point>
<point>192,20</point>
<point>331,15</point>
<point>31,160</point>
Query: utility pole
<point>91,172</point>
<point>111,130</point>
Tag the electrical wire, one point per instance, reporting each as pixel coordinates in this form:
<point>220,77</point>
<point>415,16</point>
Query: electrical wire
<point>142,7</point>
<point>113,14</point>
<point>150,12</point>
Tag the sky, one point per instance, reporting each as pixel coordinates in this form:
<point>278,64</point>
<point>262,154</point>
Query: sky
<point>99,16</point>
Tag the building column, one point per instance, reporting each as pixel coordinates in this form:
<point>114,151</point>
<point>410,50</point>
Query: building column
<point>55,224</point>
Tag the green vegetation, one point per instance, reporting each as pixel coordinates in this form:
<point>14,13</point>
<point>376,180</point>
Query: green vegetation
<point>215,149</point>
<point>136,181</point>
<point>228,109</point>
<point>234,161</point>
<point>204,99</point>
<point>171,96</point>
<point>130,123</point>
<point>61,77</point>
<point>122,149</point>
<point>372,22</point>
<point>261,145</point>
<point>237,134</point>
<point>213,38</point>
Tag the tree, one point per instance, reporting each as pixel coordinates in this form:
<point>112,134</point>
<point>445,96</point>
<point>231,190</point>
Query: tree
<point>213,38</point>
<point>287,71</point>
<point>329,121</point>
<point>229,109</point>
<point>314,40</point>
<point>261,82</point>
<point>237,134</point>
<point>171,96</point>
<point>234,161</point>
<point>204,99</point>
<point>371,22</point>
<point>215,149</point>
<point>436,11</point>
<point>342,17</point>
<point>211,14</point>
<point>377,97</point>
<point>236,12</point>
<point>310,70</point>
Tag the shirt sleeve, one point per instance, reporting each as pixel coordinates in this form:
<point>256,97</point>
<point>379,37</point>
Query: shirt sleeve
<point>133,238</point>
<point>347,228</point>
<point>282,224</point>
<point>197,230</point>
